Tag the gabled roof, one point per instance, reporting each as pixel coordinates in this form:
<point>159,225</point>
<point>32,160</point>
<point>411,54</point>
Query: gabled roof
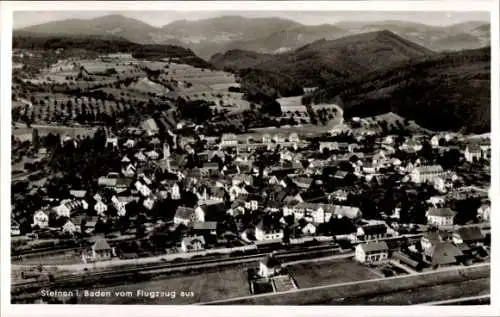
<point>374,247</point>
<point>184,212</point>
<point>207,225</point>
<point>191,240</point>
<point>101,244</point>
<point>440,212</point>
<point>444,253</point>
<point>374,229</point>
<point>470,234</point>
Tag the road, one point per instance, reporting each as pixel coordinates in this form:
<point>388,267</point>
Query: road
<point>359,285</point>
<point>457,300</point>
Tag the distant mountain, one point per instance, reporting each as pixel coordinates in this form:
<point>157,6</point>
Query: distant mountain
<point>327,61</point>
<point>438,38</point>
<point>105,45</point>
<point>226,28</point>
<point>238,59</point>
<point>446,91</point>
<point>118,25</point>
<point>207,37</point>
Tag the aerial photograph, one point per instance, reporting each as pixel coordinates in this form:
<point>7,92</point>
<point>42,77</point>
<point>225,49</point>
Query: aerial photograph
<point>250,158</point>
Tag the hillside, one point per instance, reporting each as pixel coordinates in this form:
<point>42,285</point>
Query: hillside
<point>449,91</point>
<point>238,59</point>
<point>225,28</point>
<point>207,37</point>
<point>338,60</point>
<point>106,45</point>
<point>118,25</point>
<point>437,38</point>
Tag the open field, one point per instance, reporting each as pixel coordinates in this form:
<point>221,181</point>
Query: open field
<point>330,293</point>
<point>421,295</point>
<point>208,286</point>
<point>304,130</point>
<point>25,133</point>
<point>329,272</point>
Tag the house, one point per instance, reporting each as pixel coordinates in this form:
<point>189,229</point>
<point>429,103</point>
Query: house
<point>309,229</point>
<point>193,244</point>
<point>78,193</point>
<point>229,140</point>
<point>129,170</point>
<point>149,203</point>
<point>410,146</point>
<point>436,201</point>
<point>472,152</point>
<point>150,127</point>
<point>205,228</point>
<point>70,228</point>
<point>468,235</point>
<point>303,182</point>
<point>370,169</point>
<point>186,215</point>
<point>353,213</point>
<point>372,253</point>
<point>443,254</point>
<point>267,230</point>
<point>440,216</point>
<point>143,189</point>
<point>15,228</point>
<point>269,266</point>
<point>100,208</point>
<point>422,174</point>
<point>431,238</point>
<point>130,143</point>
<point>483,212</point>
<point>435,141</point>
<point>372,231</point>
<point>100,251</point>
<point>41,219</point>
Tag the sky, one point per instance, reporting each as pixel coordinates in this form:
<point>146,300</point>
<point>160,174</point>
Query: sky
<point>160,18</point>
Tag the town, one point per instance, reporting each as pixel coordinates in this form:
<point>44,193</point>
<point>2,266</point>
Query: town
<point>143,175</point>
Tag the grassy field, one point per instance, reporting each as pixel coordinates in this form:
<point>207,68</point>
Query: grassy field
<point>209,286</point>
<point>24,133</point>
<point>329,272</point>
<point>332,293</point>
<point>422,295</point>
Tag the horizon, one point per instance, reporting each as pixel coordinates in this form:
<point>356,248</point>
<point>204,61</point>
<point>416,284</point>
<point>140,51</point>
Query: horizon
<point>23,19</point>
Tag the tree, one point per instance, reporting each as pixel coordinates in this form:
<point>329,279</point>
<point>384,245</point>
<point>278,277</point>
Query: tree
<point>35,139</point>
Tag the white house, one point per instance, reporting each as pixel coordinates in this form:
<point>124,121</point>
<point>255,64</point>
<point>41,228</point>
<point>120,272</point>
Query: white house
<point>175,192</point>
<point>149,203</point>
<point>41,219</point>
<point>472,152</point>
<point>269,267</point>
<point>440,216</point>
<point>309,229</point>
<point>426,173</point>
<point>70,228</point>
<point>372,253</point>
<point>483,212</point>
<point>268,231</point>
<point>193,244</point>
<point>229,140</point>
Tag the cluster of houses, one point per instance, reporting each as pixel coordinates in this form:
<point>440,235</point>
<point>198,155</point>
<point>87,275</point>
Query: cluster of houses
<point>227,187</point>
<point>436,248</point>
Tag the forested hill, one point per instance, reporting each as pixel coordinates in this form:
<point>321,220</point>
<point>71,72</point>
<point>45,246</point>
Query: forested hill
<point>336,60</point>
<point>105,45</point>
<point>448,91</point>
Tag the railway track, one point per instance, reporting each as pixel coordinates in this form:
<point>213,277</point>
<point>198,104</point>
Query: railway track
<point>172,266</point>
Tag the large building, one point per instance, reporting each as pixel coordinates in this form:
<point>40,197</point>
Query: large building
<point>372,252</point>
<point>426,173</point>
<point>440,217</point>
